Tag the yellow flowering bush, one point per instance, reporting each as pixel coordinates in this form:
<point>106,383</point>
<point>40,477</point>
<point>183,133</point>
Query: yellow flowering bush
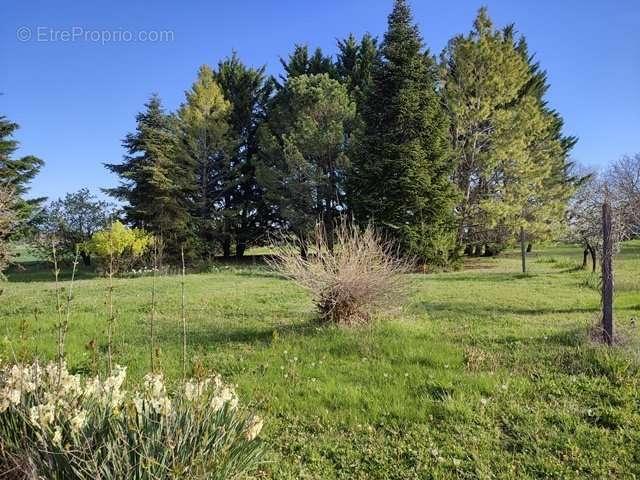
<point>118,247</point>
<point>56,425</point>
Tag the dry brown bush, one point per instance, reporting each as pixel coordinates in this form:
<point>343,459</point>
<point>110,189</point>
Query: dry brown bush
<point>361,274</point>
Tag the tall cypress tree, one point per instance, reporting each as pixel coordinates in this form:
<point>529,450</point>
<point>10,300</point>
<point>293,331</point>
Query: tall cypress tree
<point>248,91</point>
<point>354,64</point>
<point>400,177</point>
<point>301,63</point>
<point>15,176</point>
<point>205,144</point>
<point>152,182</point>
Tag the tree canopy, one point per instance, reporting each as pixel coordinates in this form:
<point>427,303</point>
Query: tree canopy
<point>460,154</point>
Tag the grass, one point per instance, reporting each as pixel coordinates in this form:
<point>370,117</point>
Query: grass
<point>485,373</point>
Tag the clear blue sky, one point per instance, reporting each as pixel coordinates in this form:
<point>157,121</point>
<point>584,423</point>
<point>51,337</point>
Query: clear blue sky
<point>75,99</point>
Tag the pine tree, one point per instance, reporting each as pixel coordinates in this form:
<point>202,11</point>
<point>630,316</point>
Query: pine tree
<point>15,176</point>
<point>152,181</point>
<point>550,147</point>
<point>248,90</point>
<point>304,148</point>
<point>512,160</point>
<point>482,76</point>
<point>205,142</point>
<point>400,176</point>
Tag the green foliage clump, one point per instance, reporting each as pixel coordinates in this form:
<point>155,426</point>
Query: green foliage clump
<point>69,222</point>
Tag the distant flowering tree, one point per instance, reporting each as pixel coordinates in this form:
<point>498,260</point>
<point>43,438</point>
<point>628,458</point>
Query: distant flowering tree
<point>584,217</point>
<point>623,179</point>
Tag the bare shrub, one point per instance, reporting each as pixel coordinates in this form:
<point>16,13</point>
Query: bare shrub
<point>359,275</point>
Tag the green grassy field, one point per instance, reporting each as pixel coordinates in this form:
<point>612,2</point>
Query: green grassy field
<point>484,373</point>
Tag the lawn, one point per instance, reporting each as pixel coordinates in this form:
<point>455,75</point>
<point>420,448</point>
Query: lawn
<point>484,373</point>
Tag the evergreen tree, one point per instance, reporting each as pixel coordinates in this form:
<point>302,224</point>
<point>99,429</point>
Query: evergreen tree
<point>512,161</point>
<point>248,90</point>
<point>15,176</point>
<point>550,147</point>
<point>152,181</point>
<point>205,142</point>
<point>482,76</point>
<point>301,63</point>
<point>304,152</point>
<point>7,228</point>
<point>400,176</point>
<point>355,62</point>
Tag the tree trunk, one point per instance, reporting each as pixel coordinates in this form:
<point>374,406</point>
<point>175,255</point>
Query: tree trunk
<point>523,251</point>
<point>86,258</point>
<point>328,229</point>
<point>585,256</point>
<point>226,247</point>
<point>331,202</point>
<point>594,258</point>
<point>240,248</point>
<point>607,274</point>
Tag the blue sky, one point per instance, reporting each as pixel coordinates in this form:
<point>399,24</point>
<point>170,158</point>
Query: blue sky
<point>76,98</point>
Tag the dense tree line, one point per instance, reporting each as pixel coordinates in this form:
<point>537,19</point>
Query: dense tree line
<point>450,154</point>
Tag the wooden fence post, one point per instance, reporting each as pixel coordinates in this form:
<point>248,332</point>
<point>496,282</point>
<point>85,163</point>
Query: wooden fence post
<point>607,273</point>
<point>523,251</point>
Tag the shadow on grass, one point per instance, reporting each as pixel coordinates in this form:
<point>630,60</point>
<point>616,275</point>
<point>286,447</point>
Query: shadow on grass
<point>260,273</point>
<point>43,272</point>
<point>485,277</point>
<point>486,311</point>
<point>218,335</point>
